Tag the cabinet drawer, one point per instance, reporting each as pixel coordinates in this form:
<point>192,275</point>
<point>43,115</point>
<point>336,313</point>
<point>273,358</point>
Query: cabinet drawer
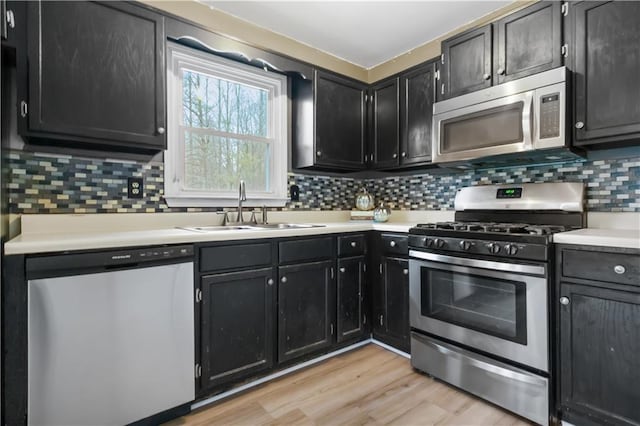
<point>351,245</point>
<point>618,268</point>
<point>395,244</point>
<point>306,250</point>
<point>235,256</point>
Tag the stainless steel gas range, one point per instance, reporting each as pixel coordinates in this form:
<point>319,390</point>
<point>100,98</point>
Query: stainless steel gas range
<point>479,291</point>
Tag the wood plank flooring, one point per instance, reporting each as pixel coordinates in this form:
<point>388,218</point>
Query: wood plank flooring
<point>368,386</point>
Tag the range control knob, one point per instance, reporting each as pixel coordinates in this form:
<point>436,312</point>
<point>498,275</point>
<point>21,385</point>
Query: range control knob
<point>428,242</point>
<point>438,243</point>
<point>493,248</point>
<point>511,249</point>
<point>465,245</point>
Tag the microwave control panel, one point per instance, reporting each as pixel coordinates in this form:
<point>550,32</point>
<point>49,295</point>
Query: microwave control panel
<point>550,116</point>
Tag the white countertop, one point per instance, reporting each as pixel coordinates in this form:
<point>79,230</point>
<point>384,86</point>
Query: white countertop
<point>30,243</point>
<point>628,238</point>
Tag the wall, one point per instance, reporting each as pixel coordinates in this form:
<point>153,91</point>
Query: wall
<point>45,183</point>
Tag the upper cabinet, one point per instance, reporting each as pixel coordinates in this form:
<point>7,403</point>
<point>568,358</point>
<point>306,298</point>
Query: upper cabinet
<point>528,42</point>
<point>328,122</point>
<point>603,39</point>
<point>466,62</point>
<point>385,124</point>
<point>95,76</point>
<point>523,43</point>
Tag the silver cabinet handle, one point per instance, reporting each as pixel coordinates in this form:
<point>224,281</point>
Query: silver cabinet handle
<point>381,320</point>
<point>331,329</point>
<point>486,76</point>
<point>161,130</point>
<point>405,271</point>
<point>319,153</point>
<point>619,269</point>
<point>353,244</point>
<point>404,154</point>
<point>11,20</point>
<point>500,71</point>
<point>342,270</point>
<point>392,243</point>
<point>283,279</point>
<point>579,125</point>
<point>270,281</point>
<point>564,301</point>
<point>395,155</point>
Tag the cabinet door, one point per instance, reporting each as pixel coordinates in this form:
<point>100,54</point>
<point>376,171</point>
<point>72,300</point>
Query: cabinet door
<point>599,347</point>
<point>386,121</point>
<point>528,42</point>
<point>392,322</point>
<point>307,309</point>
<point>351,284</point>
<point>416,109</point>
<point>606,66</point>
<point>339,122</point>
<point>237,325</point>
<point>466,62</point>
<point>96,74</point>
<point>3,19</point>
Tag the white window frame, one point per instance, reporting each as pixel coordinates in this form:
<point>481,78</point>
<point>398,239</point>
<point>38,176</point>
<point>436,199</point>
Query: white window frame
<point>180,58</point>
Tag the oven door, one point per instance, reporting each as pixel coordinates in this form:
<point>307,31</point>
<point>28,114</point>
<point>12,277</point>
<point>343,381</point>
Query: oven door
<point>495,307</point>
<point>499,126</point>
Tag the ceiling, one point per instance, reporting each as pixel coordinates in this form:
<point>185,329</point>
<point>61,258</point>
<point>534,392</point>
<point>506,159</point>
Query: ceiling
<point>365,33</point>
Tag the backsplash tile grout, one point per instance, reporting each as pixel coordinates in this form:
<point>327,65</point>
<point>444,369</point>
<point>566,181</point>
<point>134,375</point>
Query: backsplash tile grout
<point>46,183</point>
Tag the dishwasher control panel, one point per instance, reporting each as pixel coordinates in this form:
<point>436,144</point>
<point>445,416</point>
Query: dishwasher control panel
<point>151,254</point>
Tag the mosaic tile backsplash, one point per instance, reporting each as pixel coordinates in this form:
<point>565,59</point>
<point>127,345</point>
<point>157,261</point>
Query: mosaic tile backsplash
<point>45,183</point>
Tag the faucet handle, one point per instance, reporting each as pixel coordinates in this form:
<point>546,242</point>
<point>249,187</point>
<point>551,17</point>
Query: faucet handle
<point>253,218</point>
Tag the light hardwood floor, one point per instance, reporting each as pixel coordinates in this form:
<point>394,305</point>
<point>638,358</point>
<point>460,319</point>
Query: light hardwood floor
<point>369,385</point>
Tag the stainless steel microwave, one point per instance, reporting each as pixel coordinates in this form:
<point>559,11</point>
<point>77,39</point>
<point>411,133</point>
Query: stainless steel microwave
<point>518,117</point>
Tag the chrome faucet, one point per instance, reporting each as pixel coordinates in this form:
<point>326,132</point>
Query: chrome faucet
<point>242,196</point>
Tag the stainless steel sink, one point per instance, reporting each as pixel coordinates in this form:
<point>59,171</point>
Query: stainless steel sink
<point>249,227</point>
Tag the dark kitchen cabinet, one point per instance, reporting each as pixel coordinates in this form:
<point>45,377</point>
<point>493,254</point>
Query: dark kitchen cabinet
<point>598,335</point>
<point>237,325</point>
<point>95,76</point>
<point>4,18</point>
<point>604,39</point>
<point>351,283</point>
<point>328,123</point>
<point>528,42</point>
<point>391,291</point>
<point>417,95</point>
<point>385,130</point>
<point>306,309</point>
<point>466,62</point>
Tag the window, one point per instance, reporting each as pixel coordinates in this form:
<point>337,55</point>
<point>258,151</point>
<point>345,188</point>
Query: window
<point>227,122</point>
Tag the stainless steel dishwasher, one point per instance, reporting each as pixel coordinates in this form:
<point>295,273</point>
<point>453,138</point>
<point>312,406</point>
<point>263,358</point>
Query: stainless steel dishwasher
<point>110,335</point>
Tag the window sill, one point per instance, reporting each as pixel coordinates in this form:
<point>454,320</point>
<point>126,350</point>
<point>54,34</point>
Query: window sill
<point>224,202</point>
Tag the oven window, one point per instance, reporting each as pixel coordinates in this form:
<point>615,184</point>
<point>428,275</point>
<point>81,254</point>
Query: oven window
<point>489,305</point>
<point>492,127</point>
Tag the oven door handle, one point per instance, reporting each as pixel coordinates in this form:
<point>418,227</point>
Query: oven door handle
<point>478,263</point>
<point>509,374</point>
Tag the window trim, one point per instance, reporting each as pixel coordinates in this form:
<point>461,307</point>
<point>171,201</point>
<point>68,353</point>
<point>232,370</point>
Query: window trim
<point>175,195</point>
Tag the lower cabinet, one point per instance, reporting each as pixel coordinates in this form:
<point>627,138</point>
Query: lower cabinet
<point>598,311</point>
<point>237,325</point>
<point>351,315</point>
<point>392,321</point>
<point>306,309</point>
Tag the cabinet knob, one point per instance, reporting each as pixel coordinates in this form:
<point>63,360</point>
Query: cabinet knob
<point>500,71</point>
<point>579,125</point>
<point>319,153</point>
<point>342,270</point>
<point>270,281</point>
<point>392,243</point>
<point>353,244</point>
<point>11,21</point>
<point>404,154</point>
<point>283,279</point>
<point>619,269</point>
<point>405,271</point>
<point>395,155</point>
<point>161,130</point>
<point>486,76</point>
<point>564,301</point>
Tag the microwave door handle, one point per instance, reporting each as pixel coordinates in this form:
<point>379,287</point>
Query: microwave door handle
<point>527,121</point>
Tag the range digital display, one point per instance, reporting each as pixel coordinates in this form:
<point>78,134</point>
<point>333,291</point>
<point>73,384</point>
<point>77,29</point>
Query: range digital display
<point>509,193</point>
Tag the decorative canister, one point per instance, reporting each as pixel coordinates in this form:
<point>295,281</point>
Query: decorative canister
<point>381,213</point>
<point>364,200</point>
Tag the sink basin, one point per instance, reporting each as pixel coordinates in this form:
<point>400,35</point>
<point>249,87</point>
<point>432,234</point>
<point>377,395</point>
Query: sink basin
<point>249,227</point>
